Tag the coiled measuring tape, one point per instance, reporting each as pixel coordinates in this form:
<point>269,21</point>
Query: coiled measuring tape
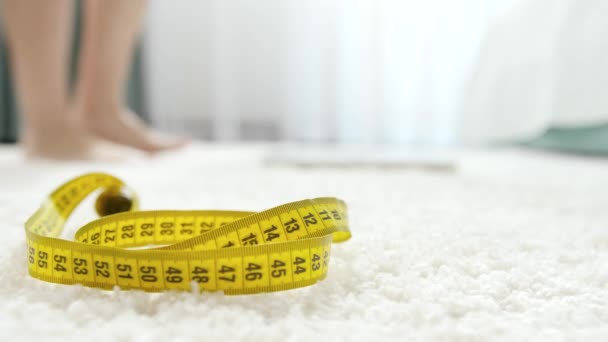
<point>239,252</point>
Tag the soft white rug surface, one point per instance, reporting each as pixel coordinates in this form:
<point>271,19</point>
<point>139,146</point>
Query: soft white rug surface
<point>512,245</point>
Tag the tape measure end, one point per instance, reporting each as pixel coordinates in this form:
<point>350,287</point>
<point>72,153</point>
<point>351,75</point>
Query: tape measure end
<point>114,201</point>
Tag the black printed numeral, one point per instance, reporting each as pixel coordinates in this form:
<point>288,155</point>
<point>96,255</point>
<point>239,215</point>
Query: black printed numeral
<point>174,275</point>
<point>298,263</point>
<point>291,225</point>
<point>324,215</point>
<point>185,228</point>
<point>278,269</point>
<point>95,239</point>
<point>59,261</point>
<point>147,230</point>
<point>253,272</point>
<point>32,253</point>
<point>102,269</point>
<point>270,233</point>
<point>42,259</point>
<point>228,244</point>
<point>206,226</point>
<point>166,228</point>
<point>315,262</point>
<point>148,274</point>
<point>225,270</point>
<point>250,240</point>
<point>309,219</point>
<point>127,232</point>
<point>124,271</point>
<point>200,275</point>
<point>80,266</point>
<point>109,235</point>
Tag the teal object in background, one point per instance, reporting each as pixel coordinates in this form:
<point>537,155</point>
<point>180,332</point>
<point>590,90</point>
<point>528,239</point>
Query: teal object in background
<point>592,140</point>
<point>8,108</point>
<point>9,112</point>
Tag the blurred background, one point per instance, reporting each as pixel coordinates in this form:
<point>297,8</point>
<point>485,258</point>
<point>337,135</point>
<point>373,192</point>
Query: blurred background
<point>435,72</point>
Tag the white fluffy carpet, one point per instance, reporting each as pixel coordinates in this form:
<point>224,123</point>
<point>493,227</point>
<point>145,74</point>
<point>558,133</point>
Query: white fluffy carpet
<point>513,245</point>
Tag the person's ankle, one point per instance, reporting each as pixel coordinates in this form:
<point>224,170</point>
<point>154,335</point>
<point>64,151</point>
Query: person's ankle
<point>89,113</point>
<point>48,126</point>
<point>48,136</point>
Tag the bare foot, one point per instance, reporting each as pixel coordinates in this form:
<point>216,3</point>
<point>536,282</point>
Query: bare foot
<point>66,142</point>
<point>123,127</point>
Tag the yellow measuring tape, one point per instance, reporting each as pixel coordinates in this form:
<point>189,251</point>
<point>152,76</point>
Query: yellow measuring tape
<point>238,252</point>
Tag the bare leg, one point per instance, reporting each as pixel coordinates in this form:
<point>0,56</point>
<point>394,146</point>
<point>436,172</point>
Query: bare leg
<point>111,28</point>
<point>38,39</point>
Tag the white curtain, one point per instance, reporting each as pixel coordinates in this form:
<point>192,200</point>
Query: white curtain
<point>375,71</point>
<point>543,64</point>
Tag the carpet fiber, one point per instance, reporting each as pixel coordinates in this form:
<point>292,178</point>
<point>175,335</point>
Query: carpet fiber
<point>510,245</point>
